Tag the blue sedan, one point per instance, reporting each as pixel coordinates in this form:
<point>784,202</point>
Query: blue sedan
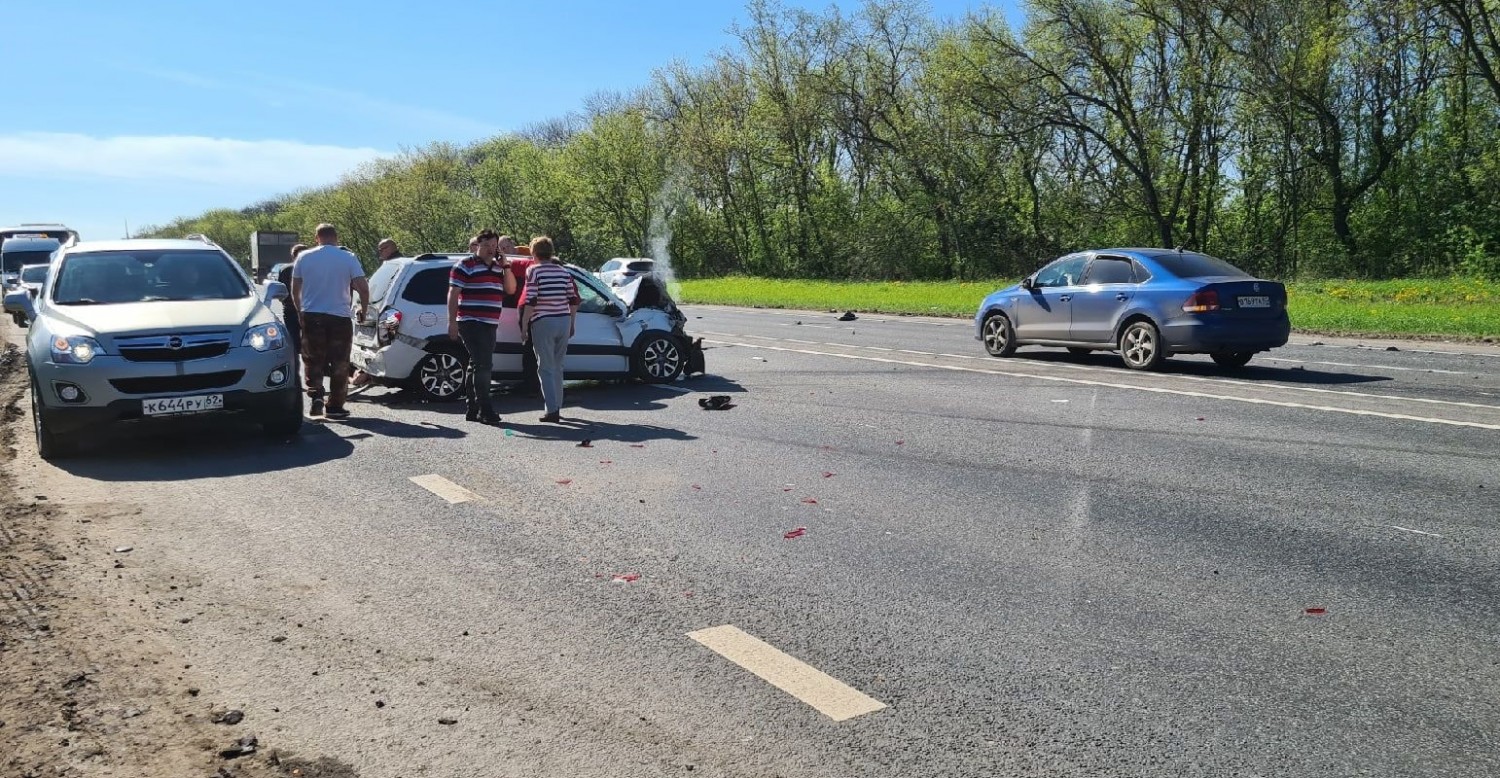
<point>1145,303</point>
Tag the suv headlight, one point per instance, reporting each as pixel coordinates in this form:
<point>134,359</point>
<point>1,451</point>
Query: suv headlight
<point>74,350</point>
<point>265,337</point>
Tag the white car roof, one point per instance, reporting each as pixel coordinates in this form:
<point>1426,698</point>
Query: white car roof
<point>141,244</point>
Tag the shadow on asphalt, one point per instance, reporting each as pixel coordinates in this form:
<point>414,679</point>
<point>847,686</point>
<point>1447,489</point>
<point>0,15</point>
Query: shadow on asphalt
<point>1251,372</point>
<point>209,450</point>
<point>586,395</point>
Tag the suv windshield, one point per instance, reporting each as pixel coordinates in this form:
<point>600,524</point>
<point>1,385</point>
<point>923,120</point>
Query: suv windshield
<point>106,277</point>
<point>34,274</point>
<point>1189,265</point>
<point>15,260</point>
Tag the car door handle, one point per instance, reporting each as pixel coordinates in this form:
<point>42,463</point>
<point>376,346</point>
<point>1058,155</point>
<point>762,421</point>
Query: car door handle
<point>1122,297</point>
<point>1062,298</point>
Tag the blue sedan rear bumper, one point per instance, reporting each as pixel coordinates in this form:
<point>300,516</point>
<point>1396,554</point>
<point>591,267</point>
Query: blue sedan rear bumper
<point>1202,335</point>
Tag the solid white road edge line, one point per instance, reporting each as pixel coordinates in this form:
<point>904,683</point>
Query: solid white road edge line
<point>444,488</point>
<point>1112,385</point>
<point>826,694</point>
<point>1173,376</point>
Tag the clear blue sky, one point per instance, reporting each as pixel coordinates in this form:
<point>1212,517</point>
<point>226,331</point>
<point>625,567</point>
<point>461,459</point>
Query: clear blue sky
<point>141,112</point>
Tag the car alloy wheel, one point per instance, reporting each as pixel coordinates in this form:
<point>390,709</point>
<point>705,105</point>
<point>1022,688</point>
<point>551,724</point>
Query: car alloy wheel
<point>999,338</point>
<point>659,358</point>
<point>440,376</point>
<point>1140,346</point>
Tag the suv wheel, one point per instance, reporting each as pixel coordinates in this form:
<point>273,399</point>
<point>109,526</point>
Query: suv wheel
<point>50,445</point>
<point>658,357</point>
<point>439,377</point>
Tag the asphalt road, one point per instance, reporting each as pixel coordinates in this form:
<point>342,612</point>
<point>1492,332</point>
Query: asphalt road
<point>1039,566</point>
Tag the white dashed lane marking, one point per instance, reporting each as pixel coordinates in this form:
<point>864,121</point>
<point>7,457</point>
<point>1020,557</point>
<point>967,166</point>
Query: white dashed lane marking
<point>826,694</point>
<point>444,488</point>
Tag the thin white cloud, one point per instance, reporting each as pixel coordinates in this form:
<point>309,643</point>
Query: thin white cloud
<point>271,165</point>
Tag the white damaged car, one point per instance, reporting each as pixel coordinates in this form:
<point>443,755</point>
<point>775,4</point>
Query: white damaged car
<point>404,341</point>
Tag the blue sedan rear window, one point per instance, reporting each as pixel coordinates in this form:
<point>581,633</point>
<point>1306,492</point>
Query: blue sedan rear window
<point>1189,265</point>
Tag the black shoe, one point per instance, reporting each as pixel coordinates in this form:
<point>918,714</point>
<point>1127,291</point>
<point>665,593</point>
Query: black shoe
<point>492,420</point>
<point>316,409</point>
<point>337,413</point>
<point>551,418</point>
<point>471,415</point>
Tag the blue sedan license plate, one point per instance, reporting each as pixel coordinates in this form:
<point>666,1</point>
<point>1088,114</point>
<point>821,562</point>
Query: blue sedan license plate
<point>171,406</point>
<point>1255,302</point>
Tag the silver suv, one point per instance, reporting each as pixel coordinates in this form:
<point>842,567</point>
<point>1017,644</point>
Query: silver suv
<point>406,343</point>
<point>140,330</point>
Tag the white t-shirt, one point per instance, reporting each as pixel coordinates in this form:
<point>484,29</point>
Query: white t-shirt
<point>326,273</point>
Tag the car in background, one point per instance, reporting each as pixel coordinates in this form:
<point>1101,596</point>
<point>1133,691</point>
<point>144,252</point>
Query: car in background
<point>622,270</point>
<point>1147,304</point>
<point>137,331</point>
<point>29,280</point>
<point>404,341</point>
<point>17,252</point>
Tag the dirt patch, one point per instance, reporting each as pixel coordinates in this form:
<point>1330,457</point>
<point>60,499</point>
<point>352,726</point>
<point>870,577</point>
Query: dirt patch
<point>88,687</point>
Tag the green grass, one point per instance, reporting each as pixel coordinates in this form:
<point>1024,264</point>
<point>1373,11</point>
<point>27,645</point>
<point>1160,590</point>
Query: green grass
<point>1462,308</point>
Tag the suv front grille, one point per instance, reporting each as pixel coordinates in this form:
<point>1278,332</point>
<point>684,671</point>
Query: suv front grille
<point>177,383</point>
<point>175,355</point>
<point>159,348</point>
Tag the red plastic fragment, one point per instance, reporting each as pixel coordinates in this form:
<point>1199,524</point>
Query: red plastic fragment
<point>900,442</point>
<point>628,577</point>
<point>1316,611</point>
<point>796,533</point>
<point>1200,418</point>
<point>564,481</point>
<point>827,474</point>
<point>809,501</point>
<point>697,488</point>
<point>606,461</point>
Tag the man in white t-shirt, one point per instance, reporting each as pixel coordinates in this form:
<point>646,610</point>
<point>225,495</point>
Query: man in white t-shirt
<point>322,281</point>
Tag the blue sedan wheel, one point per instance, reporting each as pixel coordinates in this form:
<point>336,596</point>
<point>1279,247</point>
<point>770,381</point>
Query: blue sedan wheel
<point>999,336</point>
<point>1141,346</point>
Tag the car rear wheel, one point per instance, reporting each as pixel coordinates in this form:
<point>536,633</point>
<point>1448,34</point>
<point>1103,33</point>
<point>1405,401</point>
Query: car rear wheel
<point>999,336</point>
<point>439,377</point>
<point>1232,358</point>
<point>658,357</point>
<point>50,445</point>
<point>1141,346</point>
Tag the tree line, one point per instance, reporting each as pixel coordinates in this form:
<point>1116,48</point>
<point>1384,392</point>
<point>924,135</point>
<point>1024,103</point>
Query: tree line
<point>1296,138</point>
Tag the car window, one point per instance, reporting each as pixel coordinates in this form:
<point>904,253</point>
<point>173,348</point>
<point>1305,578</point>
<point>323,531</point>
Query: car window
<point>15,260</point>
<point>610,265</point>
<point>428,287</point>
<point>34,274</point>
<point>1139,272</point>
<point>1067,271</point>
<point>591,300</point>
<point>1187,264</point>
<point>641,266</point>
<point>108,277</point>
<point>380,283</point>
<point>1109,270</point>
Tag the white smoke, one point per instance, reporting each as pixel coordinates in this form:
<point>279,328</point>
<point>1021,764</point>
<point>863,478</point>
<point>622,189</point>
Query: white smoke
<point>663,206</point>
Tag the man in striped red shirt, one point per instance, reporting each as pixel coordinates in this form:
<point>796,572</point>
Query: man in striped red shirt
<point>476,295</point>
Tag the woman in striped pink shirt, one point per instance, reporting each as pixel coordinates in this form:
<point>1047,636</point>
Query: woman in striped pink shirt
<point>548,310</point>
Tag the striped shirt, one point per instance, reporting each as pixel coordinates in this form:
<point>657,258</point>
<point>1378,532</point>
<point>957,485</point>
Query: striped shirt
<point>550,290</point>
<point>481,290</point>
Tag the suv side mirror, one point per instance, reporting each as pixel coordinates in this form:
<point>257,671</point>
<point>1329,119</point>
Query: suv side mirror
<point>1028,283</point>
<point>20,302</point>
<point>275,290</point>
